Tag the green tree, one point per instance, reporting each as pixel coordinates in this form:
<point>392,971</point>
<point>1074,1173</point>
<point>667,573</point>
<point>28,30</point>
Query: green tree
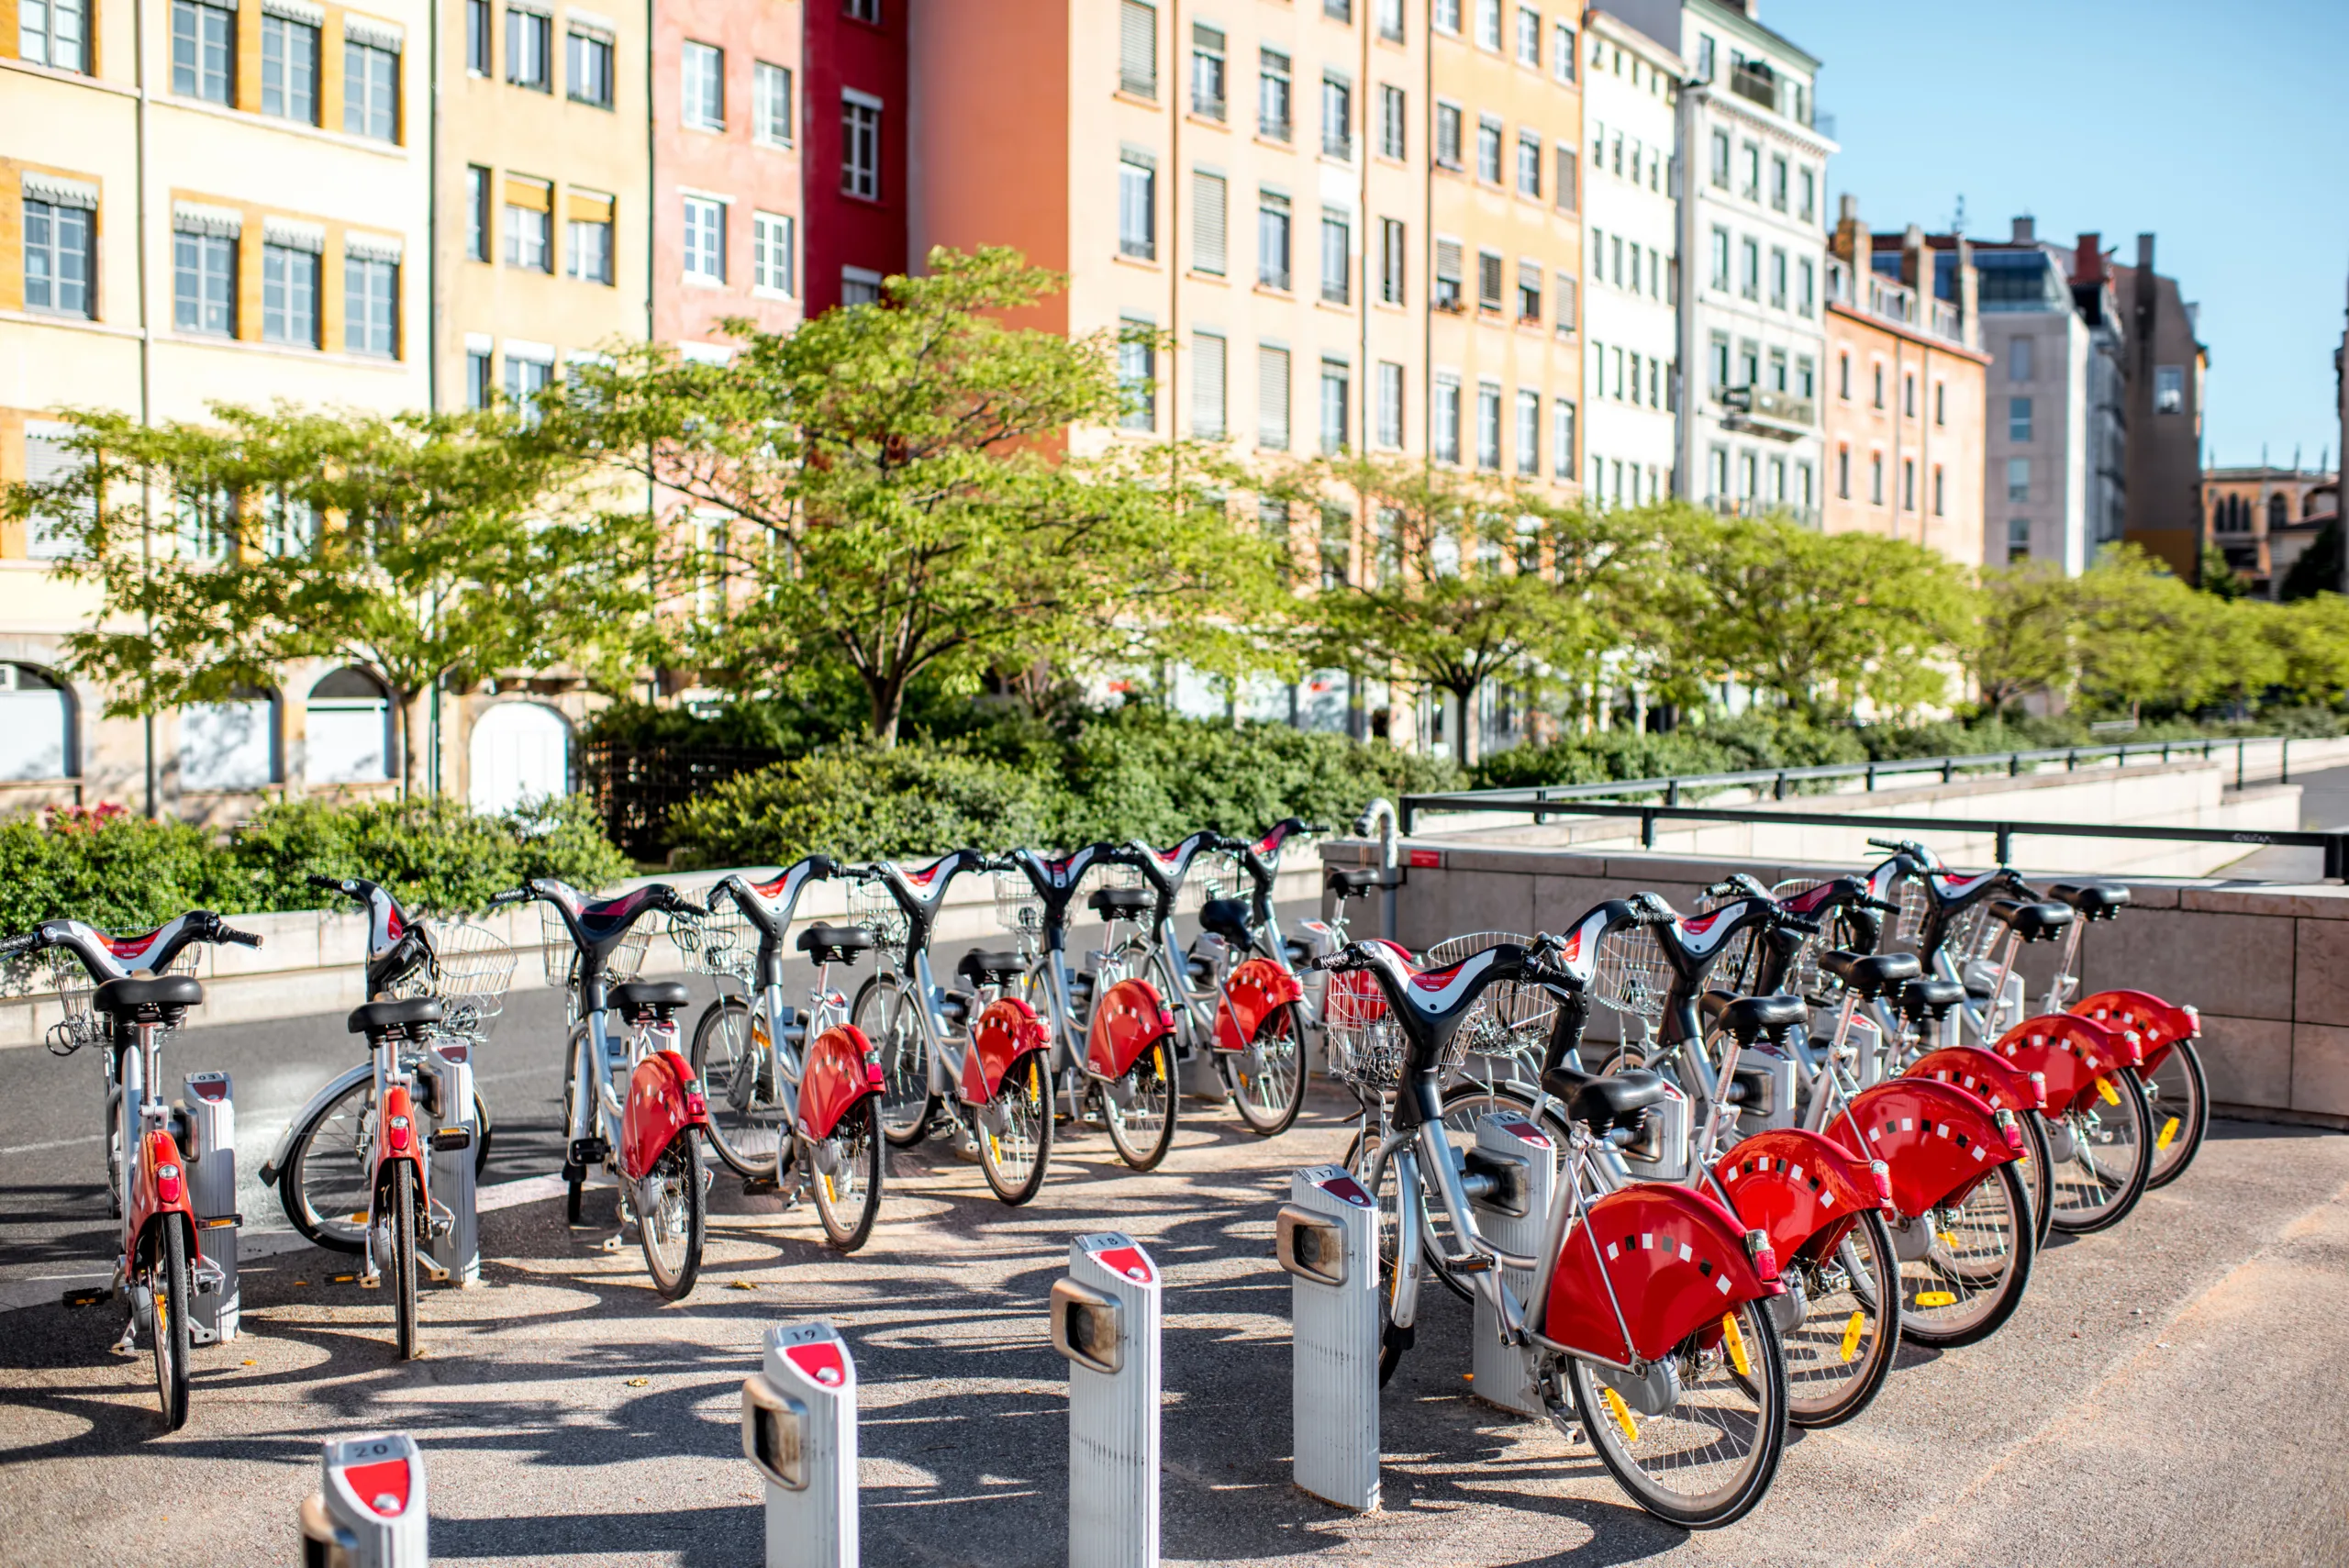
<point>2318,570</point>
<point>417,546</point>
<point>2022,637</point>
<point>2311,638</point>
<point>923,490</point>
<point>2218,578</point>
<point>2148,639</point>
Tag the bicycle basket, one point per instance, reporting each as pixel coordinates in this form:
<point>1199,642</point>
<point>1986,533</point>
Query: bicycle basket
<point>1509,1019</point>
<point>1971,935</point>
<point>75,988</point>
<point>471,972</point>
<point>1803,978</point>
<point>871,905</point>
<point>1213,874</point>
<point>721,942</point>
<point>1017,908</point>
<point>626,962</point>
<point>1908,925</point>
<point>1628,972</point>
<point>1362,1044</point>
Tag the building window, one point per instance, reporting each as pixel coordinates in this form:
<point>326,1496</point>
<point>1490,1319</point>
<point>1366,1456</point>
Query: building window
<point>2019,360</point>
<point>1528,164</point>
<point>289,295</point>
<point>50,33</point>
<point>588,68</point>
<point>2018,539</point>
<point>1489,149</point>
<point>1138,373</point>
<point>1565,308</point>
<point>1529,432</point>
<point>1488,280</point>
<point>1272,398</point>
<point>1749,281</point>
<point>1447,136</point>
<point>1272,94</point>
<point>1489,24</point>
<point>1778,183</point>
<point>56,257</point>
<point>477,26</point>
<point>1750,187</point>
<point>202,50</point>
<point>769,104</point>
<point>1208,417</point>
<point>1138,48</point>
<point>1721,160</point>
<point>1940,496</point>
<point>529,42</point>
<point>2019,479</point>
<point>868,11</point>
<point>1390,261</point>
<point>2170,389</point>
<point>526,377</point>
<point>860,286</point>
<point>1843,473</point>
<point>1271,239</point>
<point>1941,402</point>
<point>1137,206</point>
<point>1878,397</point>
<point>1720,257</point>
<point>1805,379</point>
<point>1529,291</point>
<point>529,216</point>
<point>1529,37</point>
<point>1446,16</point>
<point>476,212</point>
<point>2017,419</point>
<point>1875,479</point>
<point>588,237</point>
<point>860,146</point>
<point>480,382</point>
<point>204,283</point>
<point>1337,545</point>
<point>1447,274</point>
<point>1720,361</point>
<point>1562,437</point>
<point>1907,396</point>
<point>289,68</point>
<point>1444,418</point>
<point>371,90</point>
<point>371,306</point>
<point>703,101</point>
<point>1807,302</point>
<point>706,240</point>
<point>1207,66</point>
<point>1390,405</point>
<point>1488,426</point>
<point>1209,222</point>
<point>1390,20</point>
<point>1337,257</point>
<point>1337,395</point>
<point>1568,179</point>
<point>1337,118</point>
<point>1907,484</point>
<point>1717,472</point>
<point>1749,362</point>
<point>774,253</point>
<point>1391,134</point>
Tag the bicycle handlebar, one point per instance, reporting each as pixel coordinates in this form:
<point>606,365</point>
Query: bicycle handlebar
<point>511,896</point>
<point>241,939</point>
<point>12,946</point>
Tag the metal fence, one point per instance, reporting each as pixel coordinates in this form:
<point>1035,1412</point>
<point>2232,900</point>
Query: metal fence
<point>635,787</point>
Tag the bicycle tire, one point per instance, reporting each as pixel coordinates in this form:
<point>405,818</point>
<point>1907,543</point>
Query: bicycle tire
<point>1942,1334</point>
<point>2132,1119</point>
<point>171,1290</point>
<point>2183,1066</point>
<point>1613,1437</point>
<point>670,1214</point>
<point>1834,1328</point>
<point>1151,1079</point>
<point>908,1108</point>
<point>482,1130</point>
<point>1030,1079</point>
<point>735,1148</point>
<point>310,1205</point>
<point>404,1245</point>
<point>1282,1030</point>
<point>2042,1176</point>
<point>855,1145</point>
<point>575,1187</point>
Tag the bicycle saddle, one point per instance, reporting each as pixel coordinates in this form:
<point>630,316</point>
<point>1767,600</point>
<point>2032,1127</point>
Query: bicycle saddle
<point>1870,975</point>
<point>649,998</point>
<point>138,997</point>
<point>1121,902</point>
<point>373,1018</point>
<point>1227,918</point>
<point>2034,922</point>
<point>1923,999</point>
<point>1747,1018</point>
<point>981,967</point>
<point>2093,900</point>
<point>1360,884</point>
<point>1603,1103</point>
<point>835,944</point>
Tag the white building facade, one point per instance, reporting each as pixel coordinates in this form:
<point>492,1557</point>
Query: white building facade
<point>1631,262</point>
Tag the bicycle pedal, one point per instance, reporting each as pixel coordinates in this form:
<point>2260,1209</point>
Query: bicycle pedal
<point>88,1295</point>
<point>760,1187</point>
<point>371,1281</point>
<point>129,1344</point>
<point>612,1243</point>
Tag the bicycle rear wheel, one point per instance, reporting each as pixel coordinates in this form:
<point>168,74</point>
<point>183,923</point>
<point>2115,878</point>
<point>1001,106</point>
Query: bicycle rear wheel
<point>1014,1130</point>
<point>401,1218</point>
<point>1839,1355</point>
<point>884,1011</point>
<point>171,1291</point>
<point>2179,1097</point>
<point>1139,1107</point>
<point>736,1064</point>
<point>671,1218</point>
<point>1973,1261</point>
<point>2112,1155</point>
<point>327,1186</point>
<point>845,1175</point>
<point>1267,1080</point>
<point>1707,1458</point>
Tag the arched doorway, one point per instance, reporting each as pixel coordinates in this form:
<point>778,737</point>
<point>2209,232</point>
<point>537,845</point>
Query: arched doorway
<point>36,740</point>
<point>519,751</point>
<point>231,745</point>
<point>349,721</point>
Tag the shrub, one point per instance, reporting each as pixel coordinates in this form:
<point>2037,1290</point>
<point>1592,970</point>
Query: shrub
<point>118,871</point>
<point>860,802</point>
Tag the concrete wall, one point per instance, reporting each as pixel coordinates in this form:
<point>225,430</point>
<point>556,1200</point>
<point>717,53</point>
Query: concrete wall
<point>2267,967</point>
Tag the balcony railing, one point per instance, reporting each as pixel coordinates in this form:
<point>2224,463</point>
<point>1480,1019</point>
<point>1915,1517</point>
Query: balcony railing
<point>1894,302</point>
<point>1756,86</point>
<point>1783,407</point>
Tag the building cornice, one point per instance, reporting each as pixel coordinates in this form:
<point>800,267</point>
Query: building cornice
<point>1902,330</point>
<point>1753,114</point>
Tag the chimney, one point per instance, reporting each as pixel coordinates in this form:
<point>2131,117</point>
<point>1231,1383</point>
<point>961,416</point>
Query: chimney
<point>1969,293</point>
<point>1915,270</point>
<point>2025,230</point>
<point>2144,253</point>
<point>2087,260</point>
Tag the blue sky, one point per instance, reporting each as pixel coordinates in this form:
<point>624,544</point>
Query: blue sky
<point>2216,127</point>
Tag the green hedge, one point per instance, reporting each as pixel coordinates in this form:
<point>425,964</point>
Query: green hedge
<point>120,872</point>
<point>1136,773</point>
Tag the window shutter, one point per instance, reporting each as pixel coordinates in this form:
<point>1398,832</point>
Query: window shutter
<point>1137,47</point>
<point>1272,398</point>
<point>1207,222</point>
<point>1488,279</point>
<point>1447,260</point>
<point>1206,386</point>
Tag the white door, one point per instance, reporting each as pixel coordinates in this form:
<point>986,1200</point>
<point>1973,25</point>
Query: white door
<point>520,750</point>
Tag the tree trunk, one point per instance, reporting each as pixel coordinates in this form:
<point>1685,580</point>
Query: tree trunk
<point>1468,725</point>
<point>404,704</point>
<point>889,703</point>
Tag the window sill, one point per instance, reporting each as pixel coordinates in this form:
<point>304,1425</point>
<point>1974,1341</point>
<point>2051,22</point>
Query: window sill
<point>1333,307</point>
<point>1219,279</point>
<point>1206,122</point>
<point>284,351</point>
<point>718,130</point>
<point>853,197</point>
<point>70,78</point>
<point>1335,160</point>
<point>1269,291</point>
<point>590,103</point>
<point>68,323</point>
<point>1141,264</point>
<point>696,281</point>
<point>1127,96</point>
<point>760,291</point>
<point>765,146</point>
<point>290,128</point>
<point>1277,144</point>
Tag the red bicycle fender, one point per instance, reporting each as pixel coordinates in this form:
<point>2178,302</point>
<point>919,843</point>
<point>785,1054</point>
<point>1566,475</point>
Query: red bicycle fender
<point>2071,1051</point>
<point>1997,1082</point>
<point>1675,1257</point>
<point>1258,988</point>
<point>148,1199</point>
<point>840,1071</point>
<point>1007,1031</point>
<point>1127,1018</point>
<point>663,1099</point>
<point>2158,1024</point>
<point>1793,1185</point>
<point>1936,1139</point>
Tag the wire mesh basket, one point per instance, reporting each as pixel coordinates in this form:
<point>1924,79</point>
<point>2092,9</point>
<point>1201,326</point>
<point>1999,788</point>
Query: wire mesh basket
<point>1214,875</point>
<point>471,971</point>
<point>1803,977</point>
<point>75,989</point>
<point>1361,1043</point>
<point>1017,906</point>
<point>1509,1018</point>
<point>561,954</point>
<point>1630,974</point>
<point>1971,936</point>
<point>871,905</point>
<point>1909,925</point>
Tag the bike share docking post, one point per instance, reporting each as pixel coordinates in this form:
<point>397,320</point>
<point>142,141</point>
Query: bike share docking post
<point>455,1251</point>
<point>1327,1237</point>
<point>1104,1321</point>
<point>369,1510</point>
<point>211,1153</point>
<point>799,1428</point>
<point>1517,1165</point>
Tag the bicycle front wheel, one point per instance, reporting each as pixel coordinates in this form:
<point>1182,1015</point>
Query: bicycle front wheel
<point>884,1011</point>
<point>1974,1259</point>
<point>2111,1155</point>
<point>736,1063</point>
<point>1267,1079</point>
<point>327,1186</point>
<point>1705,1458</point>
<point>401,1218</point>
<point>2178,1096</point>
<point>171,1291</point>
<point>1014,1130</point>
<point>1839,1355</point>
<point>670,1218</point>
<point>1139,1106</point>
<point>845,1175</point>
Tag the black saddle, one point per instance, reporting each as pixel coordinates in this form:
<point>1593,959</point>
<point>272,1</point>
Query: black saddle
<point>835,944</point>
<point>2093,900</point>
<point>411,1014</point>
<point>1923,999</point>
<point>2034,922</point>
<point>1603,1103</point>
<point>1227,918</point>
<point>1749,1019</point>
<point>1121,902</point>
<point>1870,975</point>
<point>981,967</point>
<point>161,998</point>
<point>1359,883</point>
<point>649,998</point>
